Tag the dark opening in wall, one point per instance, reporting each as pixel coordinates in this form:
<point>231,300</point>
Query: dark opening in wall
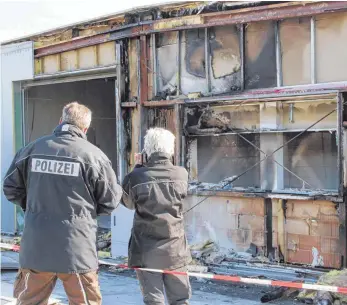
<point>313,157</point>
<point>220,157</point>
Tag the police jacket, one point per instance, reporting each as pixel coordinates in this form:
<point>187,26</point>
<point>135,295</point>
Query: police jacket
<point>63,183</point>
<point>156,192</point>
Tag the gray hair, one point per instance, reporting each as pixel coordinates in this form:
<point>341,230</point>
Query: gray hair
<point>159,140</point>
<point>77,114</point>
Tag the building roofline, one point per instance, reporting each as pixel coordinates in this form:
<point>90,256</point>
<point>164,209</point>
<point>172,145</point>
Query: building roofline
<point>136,10</point>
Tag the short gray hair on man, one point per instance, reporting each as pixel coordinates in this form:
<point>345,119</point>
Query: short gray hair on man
<point>77,114</point>
<point>159,140</point>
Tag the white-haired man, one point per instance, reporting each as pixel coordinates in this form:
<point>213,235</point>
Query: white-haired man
<point>63,183</point>
<point>156,190</point>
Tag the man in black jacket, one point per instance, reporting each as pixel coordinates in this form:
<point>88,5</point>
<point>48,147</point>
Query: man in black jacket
<point>63,183</point>
<point>156,191</point>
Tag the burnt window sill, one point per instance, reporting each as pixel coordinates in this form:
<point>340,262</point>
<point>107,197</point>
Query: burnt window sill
<point>256,193</point>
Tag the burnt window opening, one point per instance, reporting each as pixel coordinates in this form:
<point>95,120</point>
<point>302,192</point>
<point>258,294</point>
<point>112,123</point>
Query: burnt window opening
<point>306,164</point>
<point>313,157</point>
<point>229,140</point>
<point>224,60</point>
<point>226,156</point>
<point>260,50</point>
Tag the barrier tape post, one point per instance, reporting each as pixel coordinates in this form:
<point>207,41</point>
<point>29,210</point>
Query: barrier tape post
<point>211,276</point>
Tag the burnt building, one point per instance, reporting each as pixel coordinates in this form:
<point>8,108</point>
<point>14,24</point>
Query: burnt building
<point>253,91</point>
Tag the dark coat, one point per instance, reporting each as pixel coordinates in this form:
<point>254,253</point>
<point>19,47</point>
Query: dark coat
<point>63,183</point>
<point>156,192</point>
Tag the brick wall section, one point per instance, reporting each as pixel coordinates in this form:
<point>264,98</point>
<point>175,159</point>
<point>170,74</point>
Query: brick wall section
<point>311,224</point>
<point>235,222</point>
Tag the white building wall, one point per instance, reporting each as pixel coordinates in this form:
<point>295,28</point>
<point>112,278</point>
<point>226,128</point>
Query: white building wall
<point>17,64</point>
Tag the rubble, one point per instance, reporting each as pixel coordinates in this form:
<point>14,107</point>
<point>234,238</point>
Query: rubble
<point>225,184</point>
<point>332,278</point>
<point>210,253</point>
<point>13,240</point>
<point>279,293</point>
<point>104,240</point>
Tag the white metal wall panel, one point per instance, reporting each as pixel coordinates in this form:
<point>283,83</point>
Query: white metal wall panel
<point>17,63</point>
<point>122,222</point>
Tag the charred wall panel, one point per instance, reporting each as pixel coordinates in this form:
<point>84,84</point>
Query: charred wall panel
<point>301,115</point>
<point>229,155</point>
<point>133,70</point>
<point>150,70</point>
<point>313,157</point>
<point>295,38</point>
<point>331,37</point>
<point>224,43</point>
<point>260,62</point>
<point>218,119</point>
<point>167,53</point>
<point>193,75</point>
<point>161,117</point>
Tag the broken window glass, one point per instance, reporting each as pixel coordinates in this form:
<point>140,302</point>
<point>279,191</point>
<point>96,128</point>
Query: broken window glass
<point>260,61</point>
<point>295,39</point>
<point>167,54</point>
<point>331,37</point>
<point>224,43</point>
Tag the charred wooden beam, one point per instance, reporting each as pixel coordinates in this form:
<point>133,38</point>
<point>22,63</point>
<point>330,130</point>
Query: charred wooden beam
<point>143,85</point>
<point>128,104</point>
<point>254,194</point>
<point>271,95</point>
<point>343,232</point>
<point>268,227</point>
<point>269,12</point>
<point>143,70</point>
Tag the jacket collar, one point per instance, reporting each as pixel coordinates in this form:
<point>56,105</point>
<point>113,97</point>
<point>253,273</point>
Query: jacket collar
<point>159,157</point>
<point>69,129</point>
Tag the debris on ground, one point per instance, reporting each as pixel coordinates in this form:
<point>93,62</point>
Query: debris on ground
<point>279,293</point>
<point>332,278</point>
<point>13,240</point>
<point>104,240</point>
<point>193,267</point>
<point>209,252</point>
<point>225,184</point>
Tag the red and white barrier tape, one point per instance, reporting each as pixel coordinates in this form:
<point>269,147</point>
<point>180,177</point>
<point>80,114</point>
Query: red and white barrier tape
<point>228,278</point>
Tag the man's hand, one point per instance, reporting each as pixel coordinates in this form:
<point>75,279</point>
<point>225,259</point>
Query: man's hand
<point>138,158</point>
